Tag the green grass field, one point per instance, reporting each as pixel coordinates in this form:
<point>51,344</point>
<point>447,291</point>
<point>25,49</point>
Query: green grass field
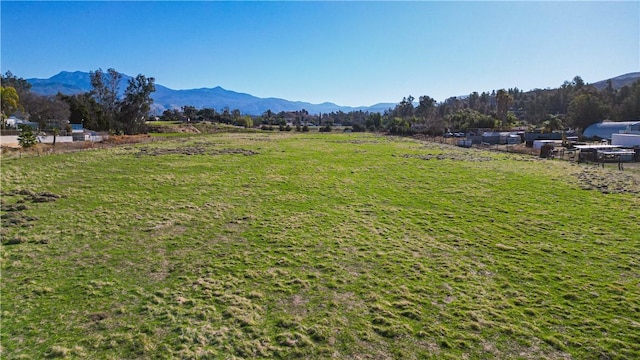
<point>316,246</point>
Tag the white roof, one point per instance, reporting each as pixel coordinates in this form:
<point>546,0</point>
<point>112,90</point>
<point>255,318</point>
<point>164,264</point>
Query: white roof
<point>597,147</point>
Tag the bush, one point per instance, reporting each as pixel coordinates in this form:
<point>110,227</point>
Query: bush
<point>326,128</point>
<point>27,138</point>
<point>245,121</point>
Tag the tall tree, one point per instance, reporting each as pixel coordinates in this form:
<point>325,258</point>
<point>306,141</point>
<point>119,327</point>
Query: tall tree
<point>105,89</point>
<point>503,99</point>
<point>235,115</point>
<point>426,108</point>
<point>578,83</point>
<point>629,108</point>
<point>134,108</point>
<point>86,111</point>
<point>267,116</point>
<point>585,109</point>
<point>190,112</point>
<point>373,122</point>
<point>474,100</point>
<point>207,114</point>
<point>405,108</point>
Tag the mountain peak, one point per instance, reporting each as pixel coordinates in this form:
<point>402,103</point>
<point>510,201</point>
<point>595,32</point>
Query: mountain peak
<point>76,82</point>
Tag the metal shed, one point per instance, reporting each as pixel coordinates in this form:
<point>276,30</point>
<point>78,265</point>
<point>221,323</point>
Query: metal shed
<point>605,129</point>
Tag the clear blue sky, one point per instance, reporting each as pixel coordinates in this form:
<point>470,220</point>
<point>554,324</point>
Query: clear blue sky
<point>349,53</point>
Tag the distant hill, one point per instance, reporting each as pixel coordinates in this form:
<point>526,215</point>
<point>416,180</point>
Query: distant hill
<point>618,81</point>
<point>77,82</point>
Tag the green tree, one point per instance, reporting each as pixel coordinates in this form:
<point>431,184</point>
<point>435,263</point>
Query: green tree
<point>463,119</point>
<point>426,108</point>
<point>552,123</point>
<point>503,100</point>
<point>86,111</point>
<point>474,100</point>
<point>585,109</point>
<point>267,116</point>
<point>373,122</point>
<point>21,85</point>
<point>405,108</point>
<point>105,89</point>
<point>629,108</point>
<point>27,138</point>
<point>190,112</point>
<point>399,126</point>
<point>245,121</point>
<point>427,114</point>
<point>578,83</point>
<point>225,117</point>
<point>235,115</point>
<point>134,108</point>
<point>207,114</point>
<point>172,115</point>
<point>10,100</point>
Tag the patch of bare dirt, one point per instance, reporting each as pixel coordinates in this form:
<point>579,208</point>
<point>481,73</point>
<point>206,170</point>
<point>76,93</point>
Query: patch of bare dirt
<point>457,156</point>
<point>182,128</point>
<point>607,181</point>
<point>193,150</point>
<point>12,212</point>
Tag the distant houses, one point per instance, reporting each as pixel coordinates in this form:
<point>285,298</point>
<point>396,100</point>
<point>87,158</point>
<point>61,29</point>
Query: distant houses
<point>69,133</point>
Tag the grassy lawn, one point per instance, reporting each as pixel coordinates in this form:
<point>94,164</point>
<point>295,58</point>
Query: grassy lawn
<point>316,246</point>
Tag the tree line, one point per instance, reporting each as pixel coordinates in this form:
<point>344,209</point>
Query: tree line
<point>191,113</point>
<point>572,105</point>
<point>18,98</point>
<point>100,109</point>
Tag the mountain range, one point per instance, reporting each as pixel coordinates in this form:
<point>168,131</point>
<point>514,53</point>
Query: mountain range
<point>77,82</point>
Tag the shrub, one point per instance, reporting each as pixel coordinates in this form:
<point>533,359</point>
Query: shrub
<point>27,138</point>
